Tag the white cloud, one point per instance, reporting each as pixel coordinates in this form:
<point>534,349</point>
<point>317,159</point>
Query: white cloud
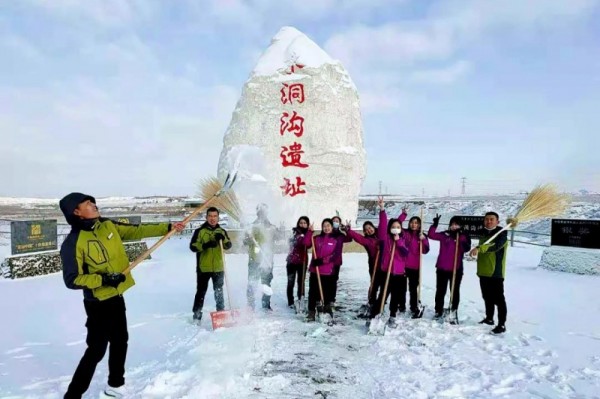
<point>403,52</point>
<point>446,75</point>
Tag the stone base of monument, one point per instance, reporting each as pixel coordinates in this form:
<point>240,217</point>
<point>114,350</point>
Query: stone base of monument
<point>571,260</point>
<point>40,263</point>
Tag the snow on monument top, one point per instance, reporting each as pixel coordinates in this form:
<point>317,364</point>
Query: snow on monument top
<point>290,46</point>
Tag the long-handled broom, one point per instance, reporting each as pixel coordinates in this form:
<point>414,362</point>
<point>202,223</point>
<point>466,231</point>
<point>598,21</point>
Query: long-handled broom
<point>217,191</point>
<point>543,202</point>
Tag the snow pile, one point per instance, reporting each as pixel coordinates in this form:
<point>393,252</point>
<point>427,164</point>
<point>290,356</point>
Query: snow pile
<point>296,134</point>
<point>571,260</point>
<point>278,355</point>
<point>289,47</point>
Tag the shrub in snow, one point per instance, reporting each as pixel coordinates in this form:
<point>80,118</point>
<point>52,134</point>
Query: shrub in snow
<point>571,260</point>
<point>41,263</point>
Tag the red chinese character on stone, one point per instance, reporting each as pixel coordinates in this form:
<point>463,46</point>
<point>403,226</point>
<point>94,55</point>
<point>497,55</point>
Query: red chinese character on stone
<point>291,156</point>
<point>293,68</point>
<point>293,189</point>
<point>294,124</point>
<point>292,92</point>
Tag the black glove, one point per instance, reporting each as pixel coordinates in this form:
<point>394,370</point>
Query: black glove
<point>436,220</point>
<point>318,262</point>
<point>210,244</point>
<point>219,237</point>
<point>113,279</point>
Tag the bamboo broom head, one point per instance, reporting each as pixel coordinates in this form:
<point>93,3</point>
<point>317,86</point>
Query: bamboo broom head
<point>226,202</point>
<point>543,202</point>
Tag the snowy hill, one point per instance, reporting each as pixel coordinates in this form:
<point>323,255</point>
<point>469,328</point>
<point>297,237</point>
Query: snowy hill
<point>551,350</point>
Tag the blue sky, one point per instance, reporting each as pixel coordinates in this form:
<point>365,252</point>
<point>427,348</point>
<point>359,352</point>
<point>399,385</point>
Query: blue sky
<point>132,97</point>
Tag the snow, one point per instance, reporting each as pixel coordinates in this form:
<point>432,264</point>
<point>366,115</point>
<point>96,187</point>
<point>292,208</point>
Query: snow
<point>551,349</point>
<point>288,47</point>
<point>571,260</point>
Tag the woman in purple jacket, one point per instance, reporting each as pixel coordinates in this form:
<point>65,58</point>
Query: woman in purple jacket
<point>370,242</point>
<point>414,239</point>
<point>296,259</point>
<point>325,257</point>
<point>342,238</point>
<point>445,261</point>
<point>390,235</point>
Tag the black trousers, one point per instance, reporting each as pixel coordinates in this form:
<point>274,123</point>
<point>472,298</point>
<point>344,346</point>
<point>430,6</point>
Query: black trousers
<point>492,290</point>
<point>314,295</point>
<point>336,277</point>
<point>257,274</point>
<point>202,279</point>
<point>106,324</point>
<point>396,289</point>
<point>295,272</point>
<point>444,280</point>
<point>412,276</point>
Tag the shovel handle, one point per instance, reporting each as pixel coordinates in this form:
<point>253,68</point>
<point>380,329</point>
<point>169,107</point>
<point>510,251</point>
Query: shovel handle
<point>387,279</point>
<point>312,240</point>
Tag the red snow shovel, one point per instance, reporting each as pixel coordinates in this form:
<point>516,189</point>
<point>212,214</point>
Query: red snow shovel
<point>225,318</point>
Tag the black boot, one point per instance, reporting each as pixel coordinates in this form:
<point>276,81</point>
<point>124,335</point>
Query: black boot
<point>489,322</point>
<point>499,329</point>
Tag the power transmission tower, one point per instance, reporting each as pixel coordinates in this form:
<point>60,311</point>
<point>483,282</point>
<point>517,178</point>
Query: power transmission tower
<point>464,182</point>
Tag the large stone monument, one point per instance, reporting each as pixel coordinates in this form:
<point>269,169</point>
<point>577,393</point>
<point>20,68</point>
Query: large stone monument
<point>295,136</point>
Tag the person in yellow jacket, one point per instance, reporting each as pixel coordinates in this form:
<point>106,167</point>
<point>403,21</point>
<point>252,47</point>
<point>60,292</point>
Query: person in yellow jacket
<point>93,260</point>
<point>491,269</point>
<point>209,260</point>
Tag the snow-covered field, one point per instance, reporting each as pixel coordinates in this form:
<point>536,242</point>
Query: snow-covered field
<point>551,349</point>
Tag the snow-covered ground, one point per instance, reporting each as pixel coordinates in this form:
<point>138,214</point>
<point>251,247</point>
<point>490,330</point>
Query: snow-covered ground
<point>551,349</point>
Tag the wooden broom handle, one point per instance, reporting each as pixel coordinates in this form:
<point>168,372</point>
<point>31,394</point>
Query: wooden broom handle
<point>498,233</point>
<point>164,238</point>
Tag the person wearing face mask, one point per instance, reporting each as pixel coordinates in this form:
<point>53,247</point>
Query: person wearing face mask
<point>296,259</point>
<point>446,260</point>
<point>390,234</point>
<point>324,259</point>
<point>415,239</point>
<point>491,269</point>
<point>370,242</point>
<point>339,233</point>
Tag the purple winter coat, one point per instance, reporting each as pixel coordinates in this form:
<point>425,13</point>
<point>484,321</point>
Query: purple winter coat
<point>371,244</point>
<point>412,243</point>
<point>341,240</point>
<point>297,254</point>
<point>325,248</point>
<point>399,261</point>
<point>447,239</point>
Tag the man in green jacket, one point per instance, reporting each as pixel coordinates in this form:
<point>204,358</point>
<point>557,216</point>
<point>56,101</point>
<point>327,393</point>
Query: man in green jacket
<point>491,269</point>
<point>209,260</point>
<point>93,260</point>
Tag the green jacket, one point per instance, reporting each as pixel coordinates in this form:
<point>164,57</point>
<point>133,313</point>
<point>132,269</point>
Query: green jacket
<point>209,260</point>
<point>95,247</point>
<point>491,259</point>
<point>259,240</point>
